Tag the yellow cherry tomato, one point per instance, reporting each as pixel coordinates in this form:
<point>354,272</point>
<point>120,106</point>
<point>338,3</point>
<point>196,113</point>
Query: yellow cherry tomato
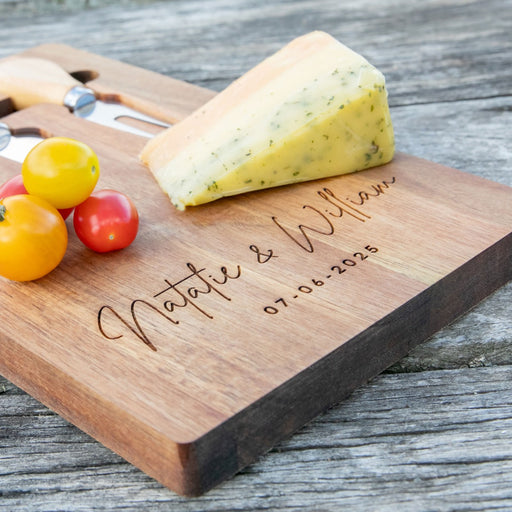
<point>33,237</point>
<point>61,170</point>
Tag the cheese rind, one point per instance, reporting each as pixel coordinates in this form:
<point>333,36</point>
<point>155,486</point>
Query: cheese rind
<point>314,109</point>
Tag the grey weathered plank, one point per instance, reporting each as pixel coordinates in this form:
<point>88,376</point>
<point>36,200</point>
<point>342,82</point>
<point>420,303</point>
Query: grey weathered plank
<point>426,440</point>
<point>429,51</point>
<point>422,441</point>
<point>482,337</point>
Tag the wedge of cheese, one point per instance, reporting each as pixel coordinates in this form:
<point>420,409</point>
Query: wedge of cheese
<point>313,109</point>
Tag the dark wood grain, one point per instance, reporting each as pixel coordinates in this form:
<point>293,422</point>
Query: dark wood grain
<point>448,68</point>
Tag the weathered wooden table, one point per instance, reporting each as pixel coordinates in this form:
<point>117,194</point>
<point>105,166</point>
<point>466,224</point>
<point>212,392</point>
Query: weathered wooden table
<point>434,431</point>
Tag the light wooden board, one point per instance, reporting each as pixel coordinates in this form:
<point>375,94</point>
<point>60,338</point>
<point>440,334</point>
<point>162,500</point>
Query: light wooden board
<point>225,328</point>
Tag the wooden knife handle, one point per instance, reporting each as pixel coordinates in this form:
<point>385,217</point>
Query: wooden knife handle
<point>30,81</point>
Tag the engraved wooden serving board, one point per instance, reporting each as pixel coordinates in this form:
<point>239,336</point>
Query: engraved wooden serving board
<point>226,327</point>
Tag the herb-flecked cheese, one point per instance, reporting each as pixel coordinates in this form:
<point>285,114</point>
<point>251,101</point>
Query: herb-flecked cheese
<point>312,110</point>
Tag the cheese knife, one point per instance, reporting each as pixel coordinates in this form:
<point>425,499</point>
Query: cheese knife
<point>32,80</point>
<point>15,144</point>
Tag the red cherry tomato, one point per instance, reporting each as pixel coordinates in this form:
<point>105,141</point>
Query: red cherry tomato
<point>15,186</point>
<point>106,221</point>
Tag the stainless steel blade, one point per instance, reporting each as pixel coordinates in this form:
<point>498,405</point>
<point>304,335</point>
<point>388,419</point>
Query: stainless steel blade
<point>16,147</point>
<point>82,102</point>
<point>5,136</point>
<point>108,114</point>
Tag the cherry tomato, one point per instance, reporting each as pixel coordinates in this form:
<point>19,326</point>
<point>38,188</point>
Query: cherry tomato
<point>106,221</point>
<point>61,170</point>
<point>33,237</point>
<point>15,186</point>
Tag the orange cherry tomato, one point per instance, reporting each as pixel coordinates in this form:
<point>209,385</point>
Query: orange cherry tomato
<point>33,237</point>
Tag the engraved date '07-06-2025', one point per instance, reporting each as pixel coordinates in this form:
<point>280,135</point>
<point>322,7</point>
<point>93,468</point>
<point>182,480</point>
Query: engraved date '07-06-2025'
<point>306,288</point>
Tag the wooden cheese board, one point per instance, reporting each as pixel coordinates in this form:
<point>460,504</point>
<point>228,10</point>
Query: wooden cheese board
<point>225,328</point>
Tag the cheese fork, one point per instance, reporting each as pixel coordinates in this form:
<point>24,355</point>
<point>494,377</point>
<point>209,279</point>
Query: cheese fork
<point>32,80</point>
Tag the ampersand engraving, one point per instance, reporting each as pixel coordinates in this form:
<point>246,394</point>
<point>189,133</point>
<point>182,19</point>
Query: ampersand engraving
<point>262,256</point>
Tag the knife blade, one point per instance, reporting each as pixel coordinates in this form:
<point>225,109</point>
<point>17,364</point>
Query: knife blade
<point>15,144</point>
<point>32,80</point>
